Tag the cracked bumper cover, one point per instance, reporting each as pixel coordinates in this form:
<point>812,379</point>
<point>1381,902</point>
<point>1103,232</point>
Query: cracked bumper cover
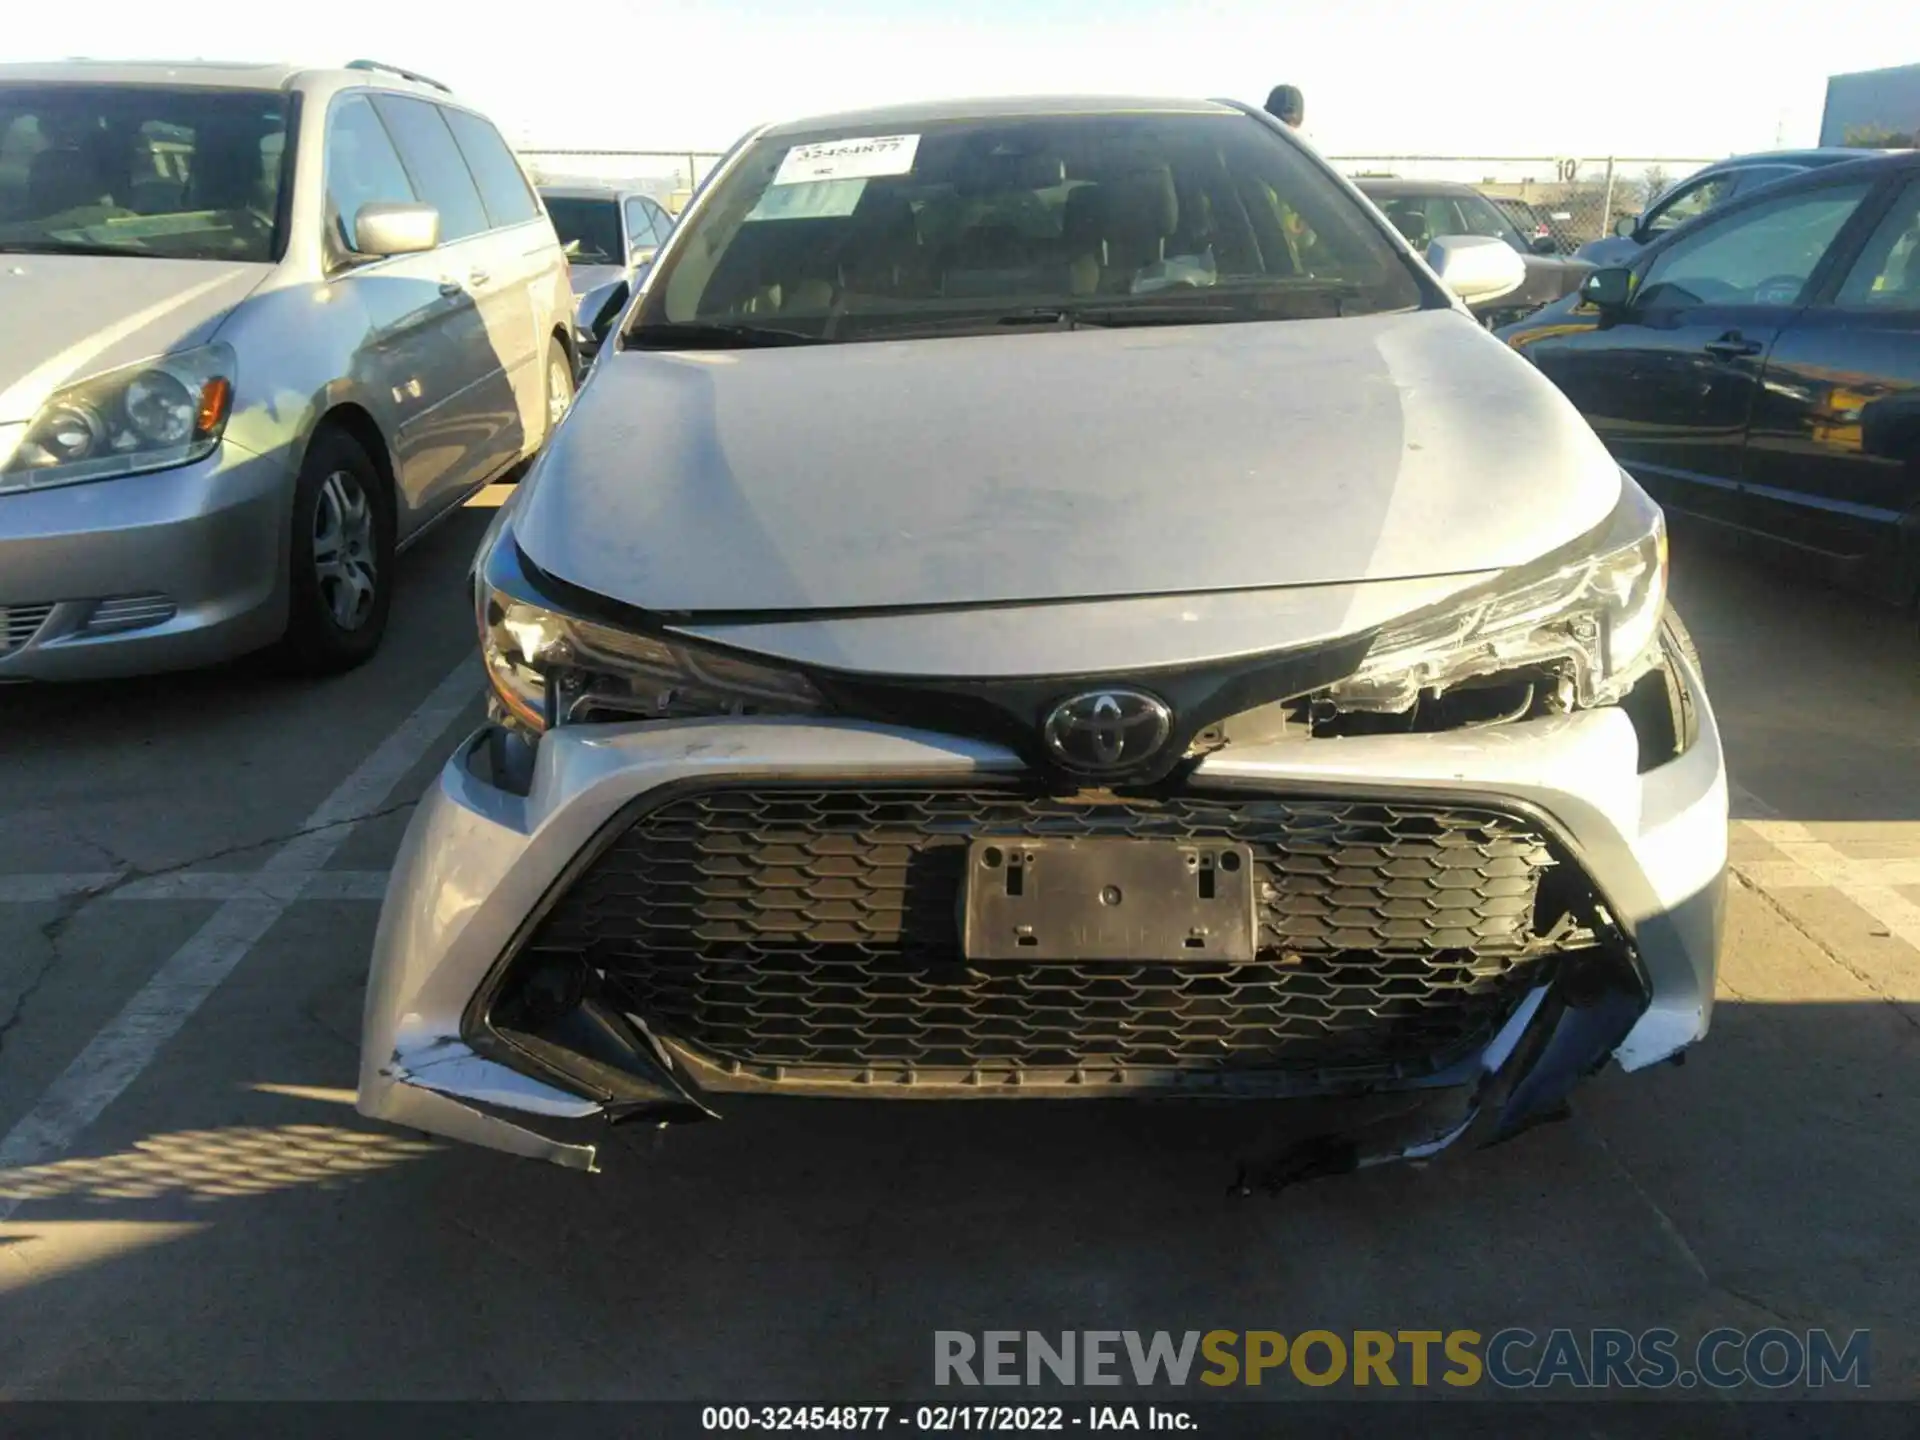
<point>477,861</point>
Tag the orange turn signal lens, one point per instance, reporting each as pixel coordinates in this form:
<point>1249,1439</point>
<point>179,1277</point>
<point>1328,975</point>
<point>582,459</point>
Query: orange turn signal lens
<point>215,396</point>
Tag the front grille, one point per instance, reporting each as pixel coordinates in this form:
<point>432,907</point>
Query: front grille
<point>789,932</point>
<point>20,623</point>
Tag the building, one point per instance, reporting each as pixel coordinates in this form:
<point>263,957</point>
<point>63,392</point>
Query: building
<point>1873,107</point>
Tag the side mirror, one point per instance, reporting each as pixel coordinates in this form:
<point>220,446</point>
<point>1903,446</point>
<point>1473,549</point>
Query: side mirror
<point>1544,245</point>
<point>1626,225</point>
<point>1477,268</point>
<point>601,307</point>
<point>387,227</point>
<point>1608,291</point>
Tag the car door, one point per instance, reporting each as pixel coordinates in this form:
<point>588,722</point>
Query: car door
<point>1670,385</point>
<point>488,437</point>
<point>422,343</point>
<point>1833,455</point>
<point>523,262</point>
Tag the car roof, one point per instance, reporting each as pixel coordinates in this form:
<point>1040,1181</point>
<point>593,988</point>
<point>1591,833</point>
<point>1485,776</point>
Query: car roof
<point>1828,155</point>
<point>1397,186</point>
<point>213,75</point>
<point>589,190</point>
<point>929,112</point>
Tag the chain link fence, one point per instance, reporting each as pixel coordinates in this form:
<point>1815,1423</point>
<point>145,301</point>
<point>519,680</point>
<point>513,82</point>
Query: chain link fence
<point>670,176</point>
<point>1574,200</point>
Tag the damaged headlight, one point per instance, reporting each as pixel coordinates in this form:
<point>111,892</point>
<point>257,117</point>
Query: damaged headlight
<point>548,667</point>
<point>1592,615</point>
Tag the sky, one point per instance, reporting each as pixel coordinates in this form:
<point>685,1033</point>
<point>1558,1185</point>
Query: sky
<point>1680,78</point>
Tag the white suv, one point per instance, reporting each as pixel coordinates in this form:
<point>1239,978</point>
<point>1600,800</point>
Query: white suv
<point>258,328</point>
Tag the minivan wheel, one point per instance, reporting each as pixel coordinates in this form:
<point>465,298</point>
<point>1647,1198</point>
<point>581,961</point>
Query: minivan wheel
<point>341,578</point>
<point>559,383</point>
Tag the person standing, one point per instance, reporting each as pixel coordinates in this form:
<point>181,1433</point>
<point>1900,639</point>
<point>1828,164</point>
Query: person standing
<point>1287,105</point>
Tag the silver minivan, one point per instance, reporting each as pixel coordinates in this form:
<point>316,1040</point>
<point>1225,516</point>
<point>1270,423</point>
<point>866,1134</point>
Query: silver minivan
<point>259,327</point>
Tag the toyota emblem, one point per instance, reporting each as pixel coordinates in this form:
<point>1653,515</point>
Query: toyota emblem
<point>1106,730</point>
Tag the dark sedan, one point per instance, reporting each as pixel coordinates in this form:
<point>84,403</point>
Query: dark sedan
<point>1424,210</point>
<point>1759,367</point>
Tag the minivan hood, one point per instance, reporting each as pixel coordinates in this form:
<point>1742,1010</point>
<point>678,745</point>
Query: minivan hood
<point>1040,467</point>
<point>65,317</point>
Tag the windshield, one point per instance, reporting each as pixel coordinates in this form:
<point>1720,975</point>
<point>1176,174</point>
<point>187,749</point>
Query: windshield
<point>188,174</point>
<point>1100,219</point>
<point>1425,218</point>
<point>589,229</point>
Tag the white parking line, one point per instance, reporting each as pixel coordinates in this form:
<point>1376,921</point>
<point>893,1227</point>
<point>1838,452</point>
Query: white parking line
<point>128,1042</point>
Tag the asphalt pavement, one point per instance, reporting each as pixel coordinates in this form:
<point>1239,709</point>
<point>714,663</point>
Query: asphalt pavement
<point>190,870</point>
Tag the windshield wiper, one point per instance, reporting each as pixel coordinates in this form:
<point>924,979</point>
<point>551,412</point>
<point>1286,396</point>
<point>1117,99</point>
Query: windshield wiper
<point>709,335</point>
<point>67,247</point>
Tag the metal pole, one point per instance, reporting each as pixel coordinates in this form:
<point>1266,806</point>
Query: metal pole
<point>1606,208</point>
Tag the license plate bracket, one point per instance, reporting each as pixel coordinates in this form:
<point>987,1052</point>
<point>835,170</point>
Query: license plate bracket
<point>1108,898</point>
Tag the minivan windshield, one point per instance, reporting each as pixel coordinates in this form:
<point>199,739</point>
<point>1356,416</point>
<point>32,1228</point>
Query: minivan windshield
<point>1104,219</point>
<point>184,173</point>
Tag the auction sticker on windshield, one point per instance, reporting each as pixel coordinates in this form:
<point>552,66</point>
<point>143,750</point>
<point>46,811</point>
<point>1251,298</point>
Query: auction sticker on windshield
<point>854,159</point>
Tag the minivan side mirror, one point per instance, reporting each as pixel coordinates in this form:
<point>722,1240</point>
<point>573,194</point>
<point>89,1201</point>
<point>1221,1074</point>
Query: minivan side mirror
<point>1626,225</point>
<point>386,227</point>
<point>1608,291</point>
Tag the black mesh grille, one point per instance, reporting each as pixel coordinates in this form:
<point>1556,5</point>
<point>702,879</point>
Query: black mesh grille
<point>818,929</point>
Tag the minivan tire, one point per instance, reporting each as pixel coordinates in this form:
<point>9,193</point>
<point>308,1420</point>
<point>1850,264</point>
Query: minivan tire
<point>340,579</point>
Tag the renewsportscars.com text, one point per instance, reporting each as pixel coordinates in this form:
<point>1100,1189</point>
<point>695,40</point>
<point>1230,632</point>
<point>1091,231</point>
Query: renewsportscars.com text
<point>1512,1358</point>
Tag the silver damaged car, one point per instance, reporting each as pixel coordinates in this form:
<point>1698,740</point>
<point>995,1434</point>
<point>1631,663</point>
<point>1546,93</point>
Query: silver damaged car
<point>1052,599</point>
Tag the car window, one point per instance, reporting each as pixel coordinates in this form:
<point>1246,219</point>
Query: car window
<point>439,172</point>
<point>503,187</point>
<point>662,222</point>
<point>1695,199</point>
<point>640,229</point>
<point>1762,256</point>
<point>842,234</point>
<point>362,166</point>
<point>1887,274</point>
<point>189,174</point>
<point>589,229</point>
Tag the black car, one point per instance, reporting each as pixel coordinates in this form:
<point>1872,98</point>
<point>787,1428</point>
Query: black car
<point>1759,367</point>
<point>1424,210</point>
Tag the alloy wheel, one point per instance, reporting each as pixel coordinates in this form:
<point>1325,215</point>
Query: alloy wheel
<point>344,564</point>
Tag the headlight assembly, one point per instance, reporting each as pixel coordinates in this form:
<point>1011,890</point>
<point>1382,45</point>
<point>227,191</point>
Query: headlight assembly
<point>159,413</point>
<point>1593,613</point>
<point>548,667</point>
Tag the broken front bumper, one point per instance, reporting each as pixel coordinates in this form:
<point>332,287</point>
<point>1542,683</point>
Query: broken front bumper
<point>481,865</point>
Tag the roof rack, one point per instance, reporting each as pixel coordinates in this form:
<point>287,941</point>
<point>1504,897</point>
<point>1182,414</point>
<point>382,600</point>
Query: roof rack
<point>412,75</point>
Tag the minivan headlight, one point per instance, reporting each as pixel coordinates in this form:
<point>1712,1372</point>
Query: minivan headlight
<point>1594,612</point>
<point>153,415</point>
<point>548,667</point>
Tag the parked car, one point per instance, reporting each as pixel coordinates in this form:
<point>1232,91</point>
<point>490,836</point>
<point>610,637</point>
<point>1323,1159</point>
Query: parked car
<point>610,235</point>
<point>1423,210</point>
<point>258,328</point>
<point>1701,191</point>
<point>1054,600</point>
<point>1537,223</point>
<point>1760,368</point>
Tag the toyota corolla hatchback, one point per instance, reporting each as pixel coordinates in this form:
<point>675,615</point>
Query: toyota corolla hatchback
<point>1054,600</point>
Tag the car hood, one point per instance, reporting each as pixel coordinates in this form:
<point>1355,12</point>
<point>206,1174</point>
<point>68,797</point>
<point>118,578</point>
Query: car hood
<point>1061,465</point>
<point>70,316</point>
<point>588,277</point>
